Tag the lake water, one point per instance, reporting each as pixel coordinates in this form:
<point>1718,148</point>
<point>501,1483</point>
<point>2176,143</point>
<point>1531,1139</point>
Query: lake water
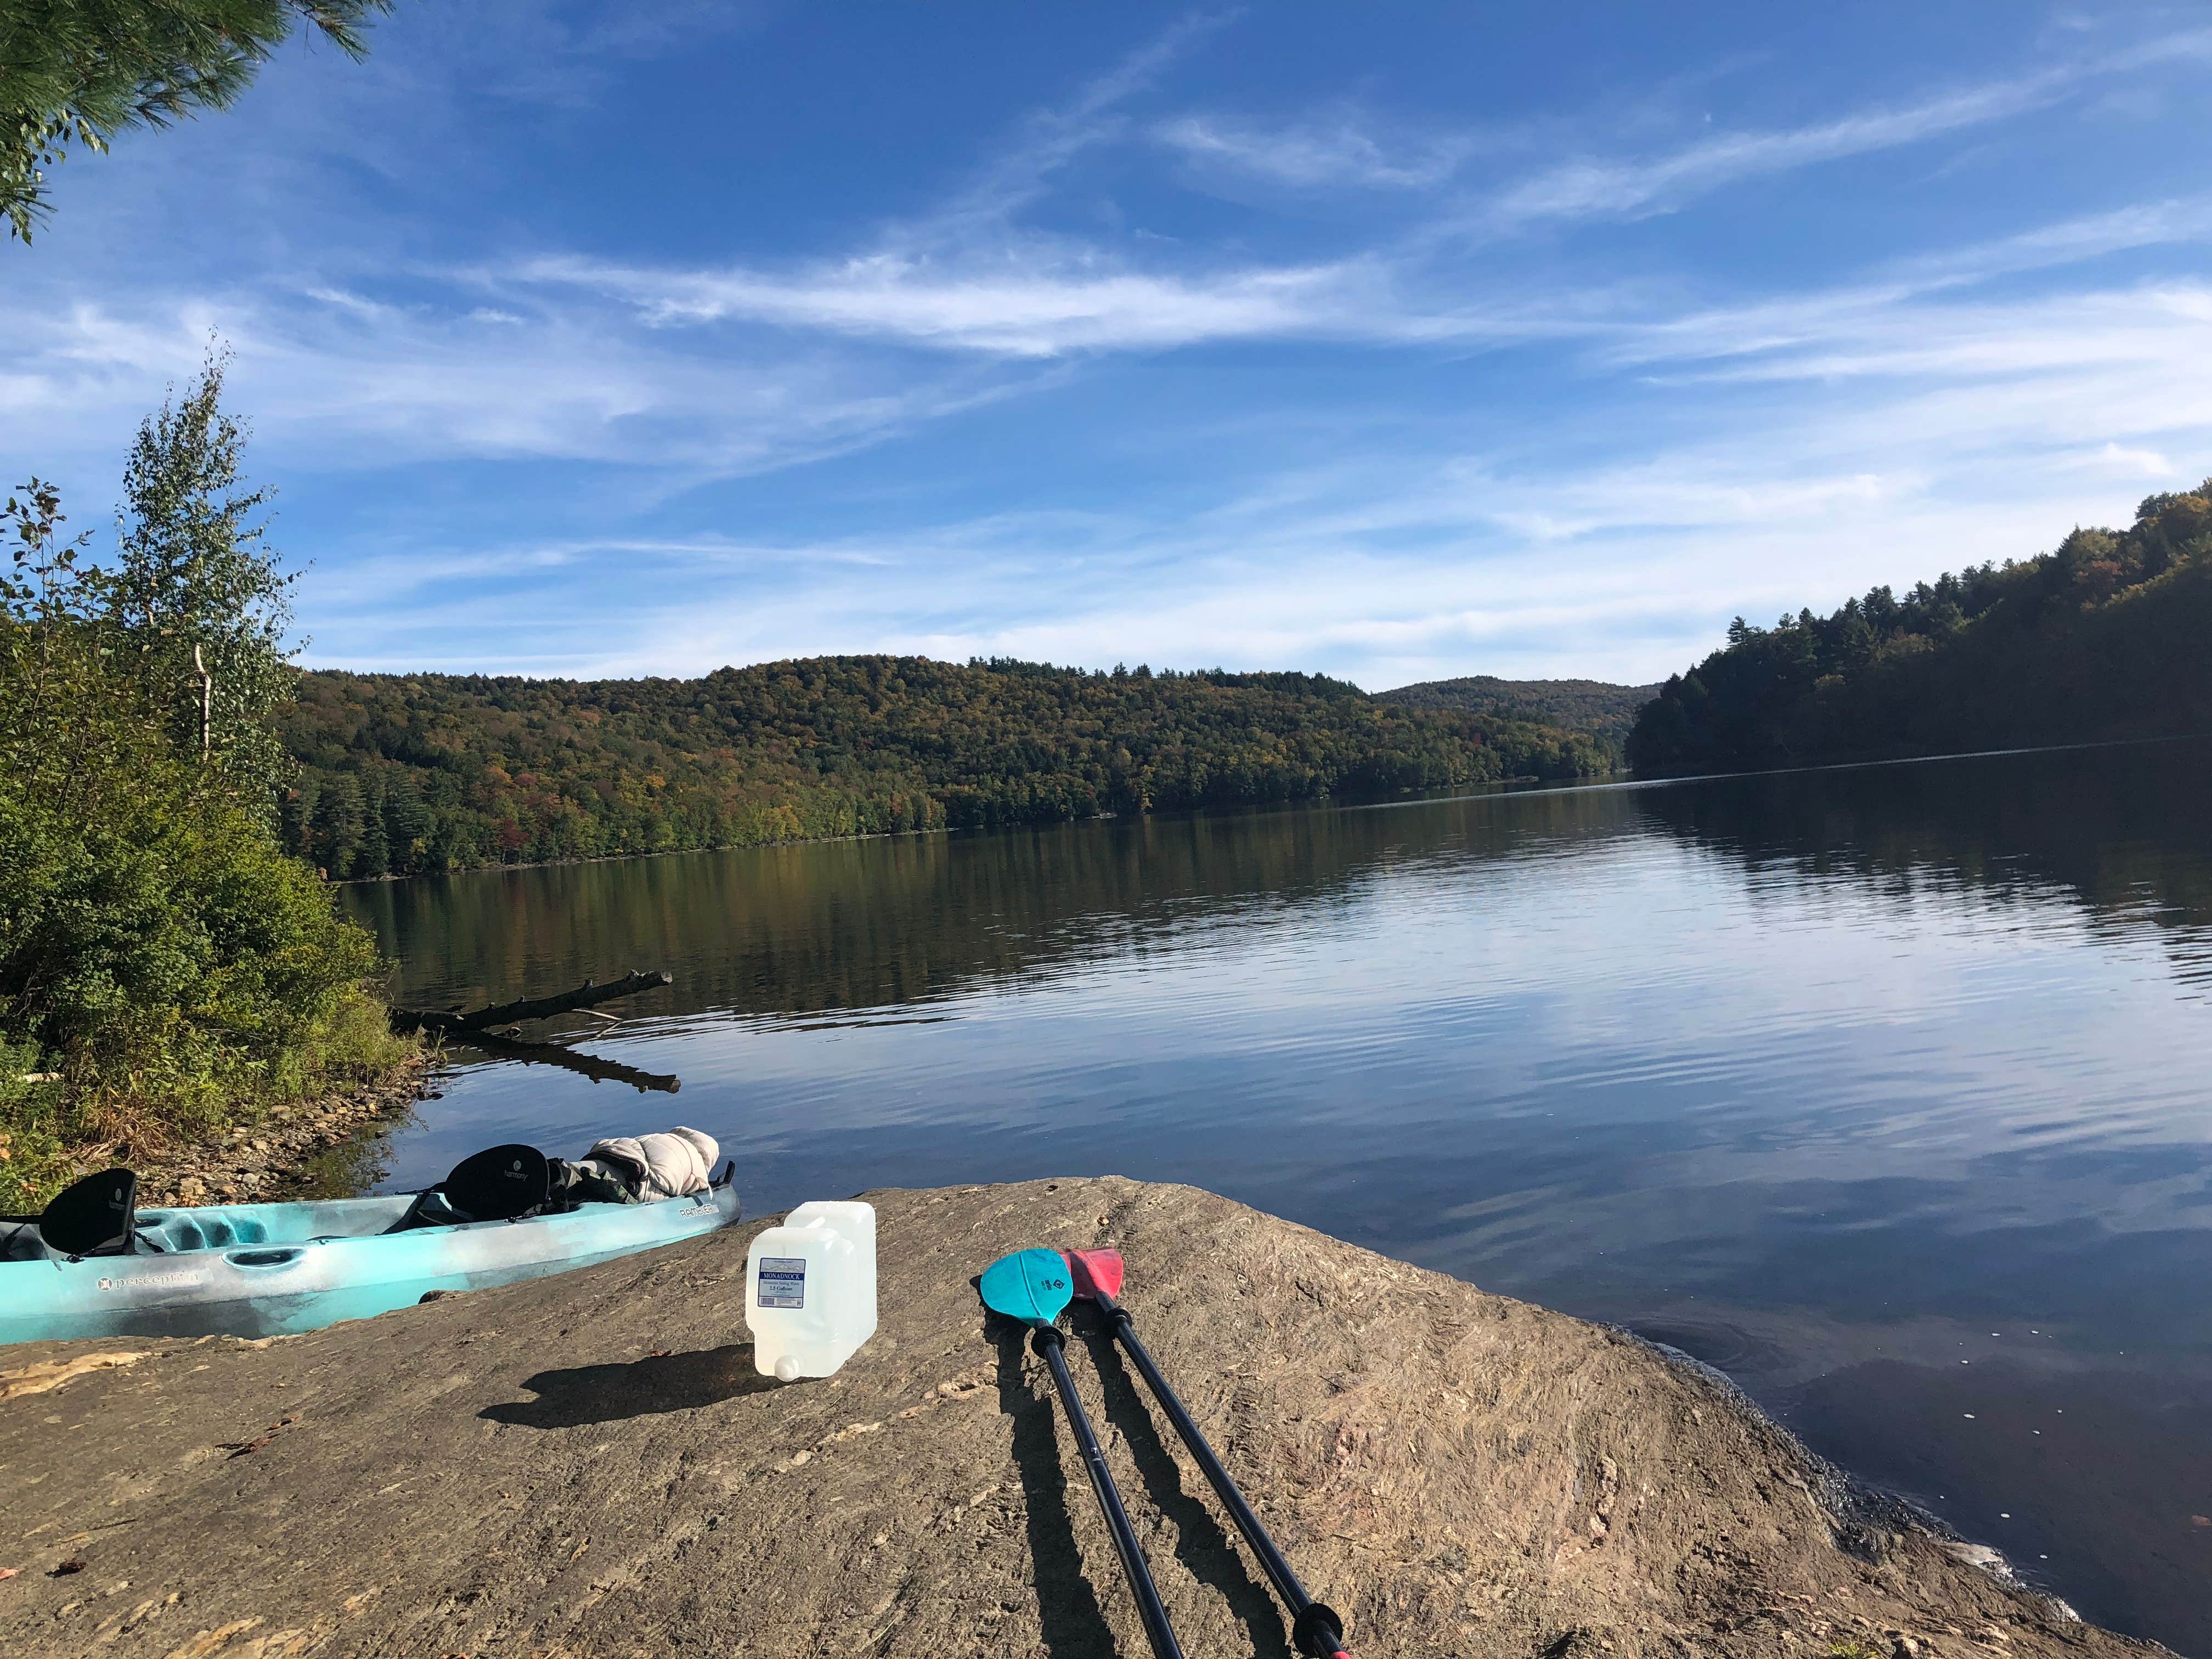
<point>1886,1091</point>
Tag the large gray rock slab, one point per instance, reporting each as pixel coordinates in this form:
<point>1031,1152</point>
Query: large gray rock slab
<point>589,1464</point>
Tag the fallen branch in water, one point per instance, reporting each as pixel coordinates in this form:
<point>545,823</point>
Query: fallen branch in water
<point>453,1023</point>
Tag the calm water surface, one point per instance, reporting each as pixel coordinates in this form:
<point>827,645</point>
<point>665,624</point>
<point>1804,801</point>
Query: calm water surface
<point>1888,1092</point>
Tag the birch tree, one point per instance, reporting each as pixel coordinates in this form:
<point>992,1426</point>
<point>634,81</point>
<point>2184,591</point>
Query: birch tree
<point>200,599</point>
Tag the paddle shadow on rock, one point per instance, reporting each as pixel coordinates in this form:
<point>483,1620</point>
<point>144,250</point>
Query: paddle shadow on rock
<point>1069,1618</point>
<point>1201,1544</point>
<point>613,1394</point>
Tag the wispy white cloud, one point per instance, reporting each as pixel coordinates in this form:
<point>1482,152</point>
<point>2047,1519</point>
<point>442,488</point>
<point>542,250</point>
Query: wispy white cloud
<point>338,382</point>
<point>1343,151</point>
<point>2145,463</point>
<point>2067,241</point>
<point>1893,297</point>
<point>1613,189</point>
<point>966,278</point>
<point>1039,302</point>
<point>1601,189</point>
<point>2134,327</point>
<point>1046,141</point>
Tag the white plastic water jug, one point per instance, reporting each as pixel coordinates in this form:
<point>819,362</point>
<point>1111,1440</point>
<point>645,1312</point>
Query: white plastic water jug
<point>810,1290</point>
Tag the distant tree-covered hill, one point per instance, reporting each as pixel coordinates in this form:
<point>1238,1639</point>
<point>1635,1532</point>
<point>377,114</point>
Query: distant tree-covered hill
<point>2109,636</point>
<point>1593,706</point>
<point>405,775</point>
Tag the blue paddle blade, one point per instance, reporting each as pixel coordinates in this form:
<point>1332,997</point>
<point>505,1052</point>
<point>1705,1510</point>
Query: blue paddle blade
<point>1030,1285</point>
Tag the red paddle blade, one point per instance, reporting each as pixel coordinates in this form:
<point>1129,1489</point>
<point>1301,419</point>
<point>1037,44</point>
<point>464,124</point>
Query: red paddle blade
<point>1095,1271</point>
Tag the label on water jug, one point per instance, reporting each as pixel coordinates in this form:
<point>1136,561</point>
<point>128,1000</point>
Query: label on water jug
<point>783,1281</point>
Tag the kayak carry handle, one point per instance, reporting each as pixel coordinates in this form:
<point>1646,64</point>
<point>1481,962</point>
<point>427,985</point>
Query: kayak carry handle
<point>284,1258</point>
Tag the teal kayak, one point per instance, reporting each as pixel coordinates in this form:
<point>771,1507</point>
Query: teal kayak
<point>275,1269</point>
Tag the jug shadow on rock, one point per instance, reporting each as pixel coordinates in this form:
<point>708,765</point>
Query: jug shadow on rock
<point>1071,1623</point>
<point>1200,1544</point>
<point>639,1388</point>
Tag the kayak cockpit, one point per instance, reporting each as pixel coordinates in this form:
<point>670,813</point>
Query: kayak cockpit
<point>226,1227</point>
<point>185,1231</point>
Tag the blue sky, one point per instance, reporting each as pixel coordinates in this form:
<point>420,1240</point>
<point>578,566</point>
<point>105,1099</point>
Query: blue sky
<point>1391,342</point>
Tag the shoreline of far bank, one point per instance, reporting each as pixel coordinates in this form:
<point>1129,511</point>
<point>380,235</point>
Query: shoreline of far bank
<point>1442,793</point>
<point>1620,778</point>
<point>1455,1471</point>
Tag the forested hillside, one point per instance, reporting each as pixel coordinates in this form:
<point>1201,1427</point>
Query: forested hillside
<point>1604,710</point>
<point>2109,636</point>
<point>427,772</point>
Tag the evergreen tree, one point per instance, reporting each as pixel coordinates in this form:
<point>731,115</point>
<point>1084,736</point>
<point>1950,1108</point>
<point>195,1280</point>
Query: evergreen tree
<point>373,856</point>
<point>337,823</point>
<point>407,826</point>
<point>297,817</point>
<point>80,71</point>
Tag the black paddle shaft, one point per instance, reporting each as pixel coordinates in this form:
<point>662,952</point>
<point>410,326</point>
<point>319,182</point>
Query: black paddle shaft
<point>1314,1625</point>
<point>1049,1343</point>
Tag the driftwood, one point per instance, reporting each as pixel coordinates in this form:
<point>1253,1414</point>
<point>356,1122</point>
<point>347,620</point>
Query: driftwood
<point>453,1023</point>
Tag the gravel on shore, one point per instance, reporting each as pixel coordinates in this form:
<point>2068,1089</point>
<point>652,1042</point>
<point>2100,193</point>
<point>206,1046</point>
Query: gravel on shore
<point>275,1157</point>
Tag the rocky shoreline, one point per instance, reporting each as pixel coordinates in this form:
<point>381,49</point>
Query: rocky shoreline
<point>590,1464</point>
<point>277,1156</point>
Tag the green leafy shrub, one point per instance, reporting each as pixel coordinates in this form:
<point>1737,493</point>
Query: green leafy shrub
<point>165,969</point>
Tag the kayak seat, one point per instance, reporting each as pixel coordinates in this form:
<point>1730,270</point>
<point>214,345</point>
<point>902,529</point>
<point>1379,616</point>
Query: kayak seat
<point>500,1183</point>
<point>96,1216</point>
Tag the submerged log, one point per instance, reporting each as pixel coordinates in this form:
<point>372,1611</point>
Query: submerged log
<point>453,1023</point>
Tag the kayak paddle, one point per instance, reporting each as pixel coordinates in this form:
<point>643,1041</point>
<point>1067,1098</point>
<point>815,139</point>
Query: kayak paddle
<point>1033,1286</point>
<point>1315,1629</point>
